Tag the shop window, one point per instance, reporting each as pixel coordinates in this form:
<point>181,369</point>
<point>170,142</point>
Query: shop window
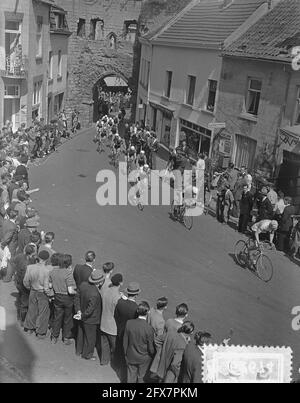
<point>191,90</point>
<point>297,117</point>
<point>253,96</point>
<point>212,91</point>
<point>245,151</point>
<point>166,129</point>
<point>81,28</point>
<point>96,29</point>
<point>168,83</point>
<point>39,36</point>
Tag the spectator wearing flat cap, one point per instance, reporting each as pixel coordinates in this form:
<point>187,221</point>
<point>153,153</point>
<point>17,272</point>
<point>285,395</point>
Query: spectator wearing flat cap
<point>88,305</point>
<point>37,281</point>
<point>126,309</point>
<point>110,298</point>
<point>62,282</point>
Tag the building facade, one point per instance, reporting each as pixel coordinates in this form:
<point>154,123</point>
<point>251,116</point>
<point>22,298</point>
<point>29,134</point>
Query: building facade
<point>25,43</point>
<point>259,94</point>
<point>180,70</point>
<point>101,45</point>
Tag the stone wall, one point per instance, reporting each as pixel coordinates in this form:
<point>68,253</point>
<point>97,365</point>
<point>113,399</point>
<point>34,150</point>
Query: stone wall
<point>90,60</point>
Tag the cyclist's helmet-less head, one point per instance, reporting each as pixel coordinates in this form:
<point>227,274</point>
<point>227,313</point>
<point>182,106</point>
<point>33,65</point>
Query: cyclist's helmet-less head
<point>273,225</point>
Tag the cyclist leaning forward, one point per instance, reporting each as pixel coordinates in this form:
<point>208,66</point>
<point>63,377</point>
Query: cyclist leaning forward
<point>264,227</point>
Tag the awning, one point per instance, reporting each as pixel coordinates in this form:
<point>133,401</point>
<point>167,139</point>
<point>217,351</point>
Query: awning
<point>162,108</point>
<point>290,135</point>
<point>114,81</point>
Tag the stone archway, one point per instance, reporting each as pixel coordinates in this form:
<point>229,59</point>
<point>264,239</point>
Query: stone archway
<point>104,93</point>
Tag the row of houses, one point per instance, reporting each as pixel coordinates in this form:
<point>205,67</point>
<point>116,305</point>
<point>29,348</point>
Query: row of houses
<point>33,60</point>
<point>224,75</point>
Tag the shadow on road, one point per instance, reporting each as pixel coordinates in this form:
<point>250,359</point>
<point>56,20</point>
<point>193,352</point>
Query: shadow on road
<point>15,349</point>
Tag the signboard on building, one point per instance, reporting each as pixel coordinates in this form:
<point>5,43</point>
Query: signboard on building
<point>216,125</point>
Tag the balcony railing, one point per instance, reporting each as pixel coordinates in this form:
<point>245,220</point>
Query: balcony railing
<point>15,68</point>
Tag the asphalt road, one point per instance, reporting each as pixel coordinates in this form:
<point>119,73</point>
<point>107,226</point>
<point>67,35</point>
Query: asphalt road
<point>195,267</point>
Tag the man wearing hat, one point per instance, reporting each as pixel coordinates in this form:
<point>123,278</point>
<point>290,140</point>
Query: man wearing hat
<point>36,280</point>
<point>88,305</point>
<point>22,169</point>
<point>125,310</point>
<point>110,298</point>
<point>24,236</point>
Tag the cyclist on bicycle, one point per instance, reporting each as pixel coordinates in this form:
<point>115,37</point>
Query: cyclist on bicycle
<point>264,227</point>
<point>186,199</point>
<point>117,143</point>
<point>141,159</point>
<point>142,181</point>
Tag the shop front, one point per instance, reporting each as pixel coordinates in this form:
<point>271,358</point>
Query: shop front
<point>198,138</point>
<point>161,121</point>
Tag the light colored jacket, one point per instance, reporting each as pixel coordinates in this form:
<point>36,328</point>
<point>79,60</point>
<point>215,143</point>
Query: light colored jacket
<point>110,298</point>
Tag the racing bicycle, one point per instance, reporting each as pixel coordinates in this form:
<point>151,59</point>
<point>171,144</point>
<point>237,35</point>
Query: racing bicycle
<point>179,214</point>
<point>248,254</point>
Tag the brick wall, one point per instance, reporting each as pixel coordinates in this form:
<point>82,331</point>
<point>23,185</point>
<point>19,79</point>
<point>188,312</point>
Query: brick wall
<point>89,60</point>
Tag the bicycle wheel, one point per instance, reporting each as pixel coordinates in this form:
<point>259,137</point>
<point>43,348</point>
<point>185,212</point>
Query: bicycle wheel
<point>241,252</point>
<point>264,268</point>
<point>188,221</point>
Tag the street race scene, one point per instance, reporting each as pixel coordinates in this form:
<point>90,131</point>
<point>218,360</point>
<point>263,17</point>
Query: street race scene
<point>149,193</point>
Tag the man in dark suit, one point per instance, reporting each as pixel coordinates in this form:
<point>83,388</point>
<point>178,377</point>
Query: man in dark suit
<point>10,239</point>
<point>125,310</point>
<point>82,272</point>
<point>138,343</point>
<point>22,170</point>
<point>265,209</point>
<point>191,364</point>
<point>246,204</point>
<point>88,305</point>
<point>285,225</point>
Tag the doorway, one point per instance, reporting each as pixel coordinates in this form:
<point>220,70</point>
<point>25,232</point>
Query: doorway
<point>12,112</point>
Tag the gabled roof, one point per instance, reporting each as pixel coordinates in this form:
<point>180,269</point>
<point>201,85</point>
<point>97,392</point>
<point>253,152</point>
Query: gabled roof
<point>206,23</point>
<point>273,36</point>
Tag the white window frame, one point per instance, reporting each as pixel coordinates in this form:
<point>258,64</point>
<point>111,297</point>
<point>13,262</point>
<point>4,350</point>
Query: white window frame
<point>37,92</point>
<point>12,96</point>
<point>249,89</point>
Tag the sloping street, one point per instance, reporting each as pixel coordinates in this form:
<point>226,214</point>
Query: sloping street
<point>196,267</point>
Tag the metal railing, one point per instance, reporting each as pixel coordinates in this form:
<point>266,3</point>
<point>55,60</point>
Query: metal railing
<point>17,67</point>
